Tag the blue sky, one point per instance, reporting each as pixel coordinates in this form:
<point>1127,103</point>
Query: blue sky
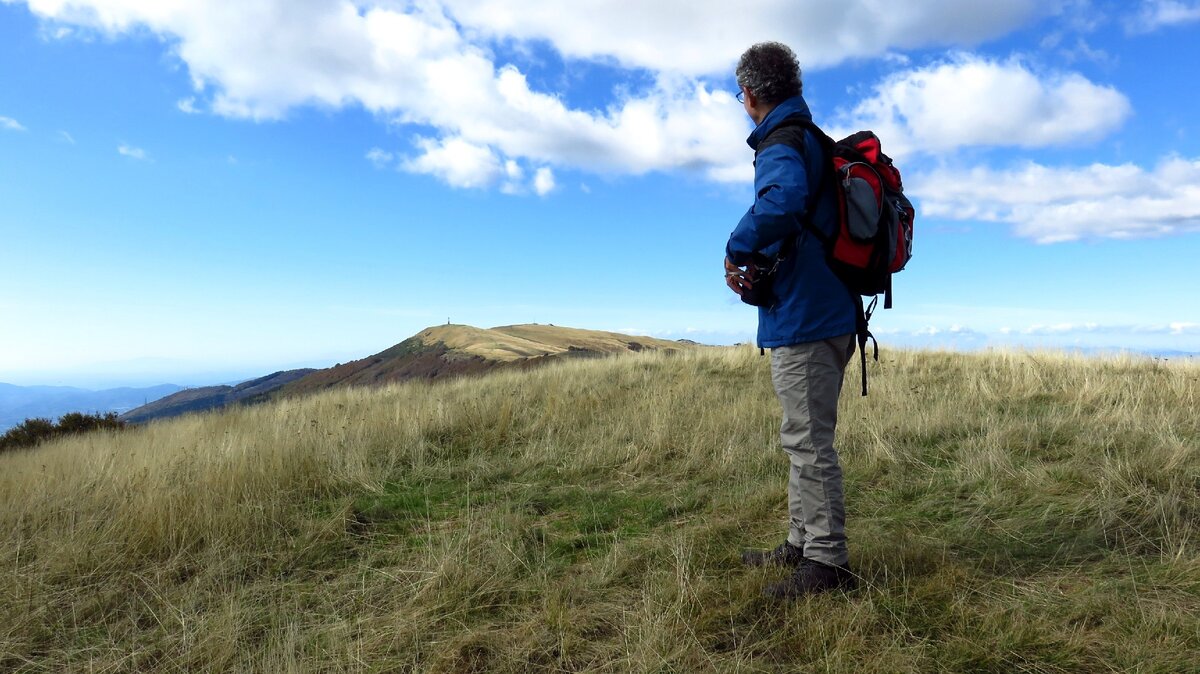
<point>201,191</point>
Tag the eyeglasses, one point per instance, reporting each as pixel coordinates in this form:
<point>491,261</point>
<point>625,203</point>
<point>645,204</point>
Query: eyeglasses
<point>740,95</point>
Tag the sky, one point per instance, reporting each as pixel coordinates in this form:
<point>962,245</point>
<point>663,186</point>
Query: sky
<point>200,191</point>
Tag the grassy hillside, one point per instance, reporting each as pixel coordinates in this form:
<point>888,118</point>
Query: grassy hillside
<point>211,397</point>
<point>446,351</point>
<point>1006,513</point>
<point>515,342</point>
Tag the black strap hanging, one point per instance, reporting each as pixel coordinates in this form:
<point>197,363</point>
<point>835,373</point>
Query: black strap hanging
<point>863,334</point>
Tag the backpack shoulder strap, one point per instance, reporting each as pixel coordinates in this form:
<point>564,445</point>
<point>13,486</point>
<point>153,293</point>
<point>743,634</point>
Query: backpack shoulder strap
<point>791,132</point>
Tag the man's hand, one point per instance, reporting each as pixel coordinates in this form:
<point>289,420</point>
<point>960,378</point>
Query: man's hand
<point>735,278</point>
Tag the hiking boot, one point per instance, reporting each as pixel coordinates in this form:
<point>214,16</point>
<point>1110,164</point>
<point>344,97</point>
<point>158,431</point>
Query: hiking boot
<point>812,577</point>
<point>784,555</point>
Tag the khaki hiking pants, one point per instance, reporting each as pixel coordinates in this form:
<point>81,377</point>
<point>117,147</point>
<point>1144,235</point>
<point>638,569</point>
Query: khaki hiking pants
<point>808,381</point>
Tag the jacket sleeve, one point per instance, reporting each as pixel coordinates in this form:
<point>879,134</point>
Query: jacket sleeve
<point>781,189</point>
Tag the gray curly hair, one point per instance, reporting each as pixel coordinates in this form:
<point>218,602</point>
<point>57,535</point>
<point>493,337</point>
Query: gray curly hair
<point>770,71</point>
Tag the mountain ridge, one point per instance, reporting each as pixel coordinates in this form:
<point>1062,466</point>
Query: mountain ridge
<point>212,397</point>
<point>18,403</point>
<point>456,350</point>
<point>437,352</point>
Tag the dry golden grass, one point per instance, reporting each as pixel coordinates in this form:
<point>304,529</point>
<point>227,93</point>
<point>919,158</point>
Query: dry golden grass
<point>1008,512</point>
<point>516,342</point>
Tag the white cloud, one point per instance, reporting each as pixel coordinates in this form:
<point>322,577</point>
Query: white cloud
<point>187,105</point>
<point>543,181</point>
<point>132,152</point>
<point>66,137</point>
<point>971,100</point>
<point>1064,328</point>
<point>939,336</point>
<point>706,36</point>
<point>1177,328</point>
<point>429,63</point>
<point>1049,329</point>
<point>1156,14</point>
<point>379,157</point>
<point>513,177</point>
<point>456,161</point>
<point>417,68</point>
<point>733,173</point>
<point>952,331</point>
<point>10,124</point>
<point>1051,204</point>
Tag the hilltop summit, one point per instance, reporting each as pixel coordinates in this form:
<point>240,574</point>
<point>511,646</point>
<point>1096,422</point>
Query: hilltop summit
<point>434,353</point>
<point>452,350</point>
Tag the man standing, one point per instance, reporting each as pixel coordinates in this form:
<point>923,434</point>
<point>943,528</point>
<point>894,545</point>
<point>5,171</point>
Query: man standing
<point>810,324</point>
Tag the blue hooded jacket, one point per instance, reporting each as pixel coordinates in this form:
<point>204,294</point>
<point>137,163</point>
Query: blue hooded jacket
<point>812,303</point>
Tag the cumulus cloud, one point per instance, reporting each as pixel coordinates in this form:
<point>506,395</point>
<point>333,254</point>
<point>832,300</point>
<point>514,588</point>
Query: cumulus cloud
<point>187,105</point>
<point>951,331</point>
<point>1175,334</point>
<point>429,63</point>
<point>1051,204</point>
<point>707,36</point>
<point>514,176</point>
<point>10,124</point>
<point>415,66</point>
<point>456,161</point>
<point>513,171</point>
<point>954,336</point>
<point>132,152</point>
<point>1173,329</point>
<point>971,100</point>
<point>1156,14</point>
<point>543,181</point>
<point>514,179</point>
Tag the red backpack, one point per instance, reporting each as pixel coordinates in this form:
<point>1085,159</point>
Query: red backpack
<point>875,220</point>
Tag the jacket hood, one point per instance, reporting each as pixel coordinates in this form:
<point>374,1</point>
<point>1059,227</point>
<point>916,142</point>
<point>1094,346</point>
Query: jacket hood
<point>792,107</point>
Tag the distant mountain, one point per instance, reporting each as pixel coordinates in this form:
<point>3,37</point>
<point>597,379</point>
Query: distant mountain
<point>18,403</point>
<point>433,353</point>
<point>1172,353</point>
<point>212,397</point>
<point>454,350</point>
